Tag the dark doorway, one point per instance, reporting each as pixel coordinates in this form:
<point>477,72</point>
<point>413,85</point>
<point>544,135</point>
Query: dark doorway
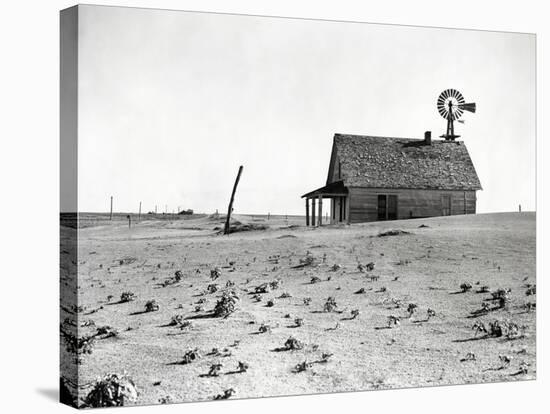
<point>392,207</point>
<point>446,204</point>
<point>387,207</point>
<point>382,210</point>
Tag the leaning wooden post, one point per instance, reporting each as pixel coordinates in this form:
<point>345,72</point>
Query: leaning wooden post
<point>230,209</point>
<point>111,213</point>
<point>307,211</point>
<point>139,213</point>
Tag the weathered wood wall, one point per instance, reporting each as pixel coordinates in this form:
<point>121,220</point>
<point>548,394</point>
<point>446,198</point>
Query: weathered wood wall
<point>410,204</point>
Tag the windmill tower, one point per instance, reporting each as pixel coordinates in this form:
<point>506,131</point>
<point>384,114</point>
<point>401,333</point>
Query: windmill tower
<point>451,105</point>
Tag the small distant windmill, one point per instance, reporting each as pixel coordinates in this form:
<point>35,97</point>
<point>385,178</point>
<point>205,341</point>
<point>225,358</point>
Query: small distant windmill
<point>451,105</point>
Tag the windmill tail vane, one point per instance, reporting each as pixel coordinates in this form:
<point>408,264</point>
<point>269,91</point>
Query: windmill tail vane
<point>451,105</point>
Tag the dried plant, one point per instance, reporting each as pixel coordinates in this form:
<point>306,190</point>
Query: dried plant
<point>226,305</point>
<point>393,321</point>
<point>127,297</point>
<point>307,301</point>
<point>275,284</point>
<point>190,356</point>
<point>293,344</point>
<point>314,280</point>
<point>465,287</point>
<point>302,366</point>
<point>151,306</point>
<point>214,370</point>
<point>330,304</point>
<point>215,273</point>
<point>226,394</point>
<point>242,366</point>
<point>106,332</point>
<point>264,328</point>
<point>470,356</point>
<point>112,391</point>
<point>411,309</point>
<point>212,288</point>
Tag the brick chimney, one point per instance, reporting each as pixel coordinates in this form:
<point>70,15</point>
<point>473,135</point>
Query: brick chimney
<point>428,138</point>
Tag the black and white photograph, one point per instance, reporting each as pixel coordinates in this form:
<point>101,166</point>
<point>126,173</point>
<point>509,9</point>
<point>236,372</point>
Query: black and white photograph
<point>260,206</point>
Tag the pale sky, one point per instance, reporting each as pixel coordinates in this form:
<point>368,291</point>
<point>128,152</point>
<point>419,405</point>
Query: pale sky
<point>171,103</point>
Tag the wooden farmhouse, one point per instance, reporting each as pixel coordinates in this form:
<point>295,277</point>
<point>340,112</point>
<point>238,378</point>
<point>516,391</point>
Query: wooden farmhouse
<point>379,178</point>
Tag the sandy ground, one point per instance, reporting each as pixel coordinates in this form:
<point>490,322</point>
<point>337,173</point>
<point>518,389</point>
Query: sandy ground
<point>425,267</point>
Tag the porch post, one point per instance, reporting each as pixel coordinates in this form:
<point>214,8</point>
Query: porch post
<point>307,211</point>
<point>320,210</point>
<point>313,223</point>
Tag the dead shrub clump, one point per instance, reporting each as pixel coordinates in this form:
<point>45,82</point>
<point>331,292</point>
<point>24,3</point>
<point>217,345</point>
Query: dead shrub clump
<point>263,288</point>
<point>393,321</point>
<point>226,305</point>
<point>242,366</point>
<point>215,273</point>
<point>190,356</point>
<point>465,287</point>
<point>226,394</point>
<point>275,284</point>
<point>151,306</point>
<point>302,366</point>
<point>264,328</point>
<point>330,304</point>
<point>176,320</point>
<point>215,370</point>
<point>293,344</point>
<point>127,297</point>
<point>411,309</point>
<point>112,391</point>
<point>106,332</point>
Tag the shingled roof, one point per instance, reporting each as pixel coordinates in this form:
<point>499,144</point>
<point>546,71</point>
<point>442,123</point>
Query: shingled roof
<point>382,162</point>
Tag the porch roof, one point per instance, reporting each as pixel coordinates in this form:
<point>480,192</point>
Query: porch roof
<point>335,189</point>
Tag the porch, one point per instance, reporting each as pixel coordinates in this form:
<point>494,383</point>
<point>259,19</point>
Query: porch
<point>339,206</point>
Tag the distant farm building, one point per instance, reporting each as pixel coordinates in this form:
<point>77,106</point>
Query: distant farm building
<point>379,178</point>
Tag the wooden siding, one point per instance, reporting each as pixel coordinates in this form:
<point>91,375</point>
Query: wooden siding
<point>363,203</point>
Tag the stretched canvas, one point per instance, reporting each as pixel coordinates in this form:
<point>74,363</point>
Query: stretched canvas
<point>257,206</point>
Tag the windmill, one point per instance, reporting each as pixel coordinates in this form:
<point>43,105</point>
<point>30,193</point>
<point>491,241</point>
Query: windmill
<point>451,105</point>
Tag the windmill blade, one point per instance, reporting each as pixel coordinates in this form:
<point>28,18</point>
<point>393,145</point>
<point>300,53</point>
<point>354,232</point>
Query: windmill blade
<point>470,107</point>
